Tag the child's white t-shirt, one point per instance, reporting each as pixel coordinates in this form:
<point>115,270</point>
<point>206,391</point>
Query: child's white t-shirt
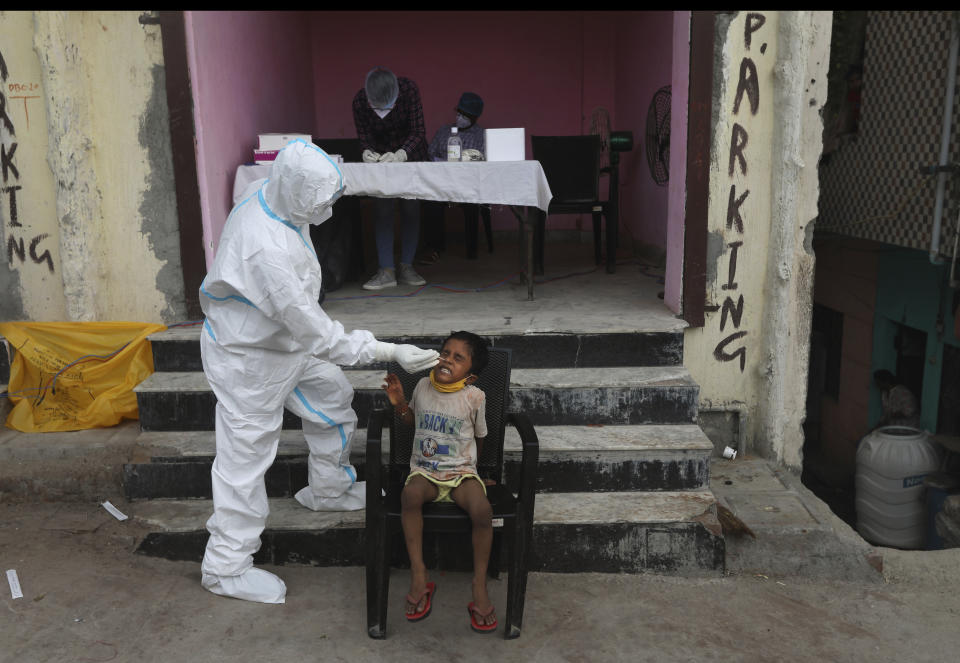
<point>447,425</point>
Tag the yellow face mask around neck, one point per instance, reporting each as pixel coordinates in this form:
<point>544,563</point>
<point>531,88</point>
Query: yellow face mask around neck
<point>448,388</point>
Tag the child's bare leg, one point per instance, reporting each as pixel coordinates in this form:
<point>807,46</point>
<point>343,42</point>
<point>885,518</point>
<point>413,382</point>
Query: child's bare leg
<point>470,497</point>
<point>415,494</point>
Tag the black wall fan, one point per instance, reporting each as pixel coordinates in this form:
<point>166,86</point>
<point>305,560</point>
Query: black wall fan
<point>658,136</point>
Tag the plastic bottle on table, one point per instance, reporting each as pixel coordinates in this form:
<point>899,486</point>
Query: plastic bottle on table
<point>454,146</point>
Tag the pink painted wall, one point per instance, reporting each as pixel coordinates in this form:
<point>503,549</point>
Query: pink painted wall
<point>544,71</point>
<point>528,67</point>
<point>251,74</point>
<point>643,65</point>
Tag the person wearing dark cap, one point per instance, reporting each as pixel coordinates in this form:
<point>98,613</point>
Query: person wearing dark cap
<point>468,111</point>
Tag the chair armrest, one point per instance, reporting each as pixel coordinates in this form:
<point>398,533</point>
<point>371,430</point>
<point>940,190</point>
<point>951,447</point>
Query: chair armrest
<point>374,459</point>
<point>530,456</point>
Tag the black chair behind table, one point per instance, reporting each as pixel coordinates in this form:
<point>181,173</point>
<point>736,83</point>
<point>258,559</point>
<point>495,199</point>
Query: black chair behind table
<point>434,229</point>
<point>339,240</point>
<point>512,504</point>
<point>471,230</point>
<point>572,167</point>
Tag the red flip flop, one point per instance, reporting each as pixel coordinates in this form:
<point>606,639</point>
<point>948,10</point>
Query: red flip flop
<point>477,626</point>
<point>423,614</point>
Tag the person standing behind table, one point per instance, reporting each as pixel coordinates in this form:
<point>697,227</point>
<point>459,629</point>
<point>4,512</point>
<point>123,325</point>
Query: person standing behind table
<point>388,115</point>
<point>472,135</point>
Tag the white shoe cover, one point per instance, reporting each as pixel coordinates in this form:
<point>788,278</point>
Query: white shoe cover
<point>252,585</point>
<point>353,499</point>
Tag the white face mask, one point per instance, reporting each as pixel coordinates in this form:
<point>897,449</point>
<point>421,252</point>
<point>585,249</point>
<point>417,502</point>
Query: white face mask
<point>382,113</point>
<point>463,121</point>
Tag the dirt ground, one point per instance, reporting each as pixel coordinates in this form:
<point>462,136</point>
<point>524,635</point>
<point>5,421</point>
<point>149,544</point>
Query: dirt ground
<point>88,597</point>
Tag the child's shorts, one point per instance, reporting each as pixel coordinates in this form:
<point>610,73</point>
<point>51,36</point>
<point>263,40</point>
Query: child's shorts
<point>446,487</point>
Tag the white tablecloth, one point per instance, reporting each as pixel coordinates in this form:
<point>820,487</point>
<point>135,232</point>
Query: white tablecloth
<point>518,183</point>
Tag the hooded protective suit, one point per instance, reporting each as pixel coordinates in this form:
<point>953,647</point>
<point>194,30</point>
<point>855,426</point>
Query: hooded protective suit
<point>267,345</point>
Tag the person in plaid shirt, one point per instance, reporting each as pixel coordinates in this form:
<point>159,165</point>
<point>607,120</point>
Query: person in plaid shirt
<point>388,115</point>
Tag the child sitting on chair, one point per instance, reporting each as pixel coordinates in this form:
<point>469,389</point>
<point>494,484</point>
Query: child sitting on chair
<point>449,416</point>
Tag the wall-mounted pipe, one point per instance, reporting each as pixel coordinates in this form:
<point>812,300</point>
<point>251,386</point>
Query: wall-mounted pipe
<point>739,409</point>
<point>954,281</point>
<point>945,139</point>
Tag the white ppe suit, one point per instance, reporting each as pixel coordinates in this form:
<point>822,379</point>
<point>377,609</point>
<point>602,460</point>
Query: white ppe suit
<point>267,345</point>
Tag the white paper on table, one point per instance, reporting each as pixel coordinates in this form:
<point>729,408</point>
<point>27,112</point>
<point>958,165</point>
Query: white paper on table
<point>505,144</point>
<point>114,511</point>
<point>14,583</point>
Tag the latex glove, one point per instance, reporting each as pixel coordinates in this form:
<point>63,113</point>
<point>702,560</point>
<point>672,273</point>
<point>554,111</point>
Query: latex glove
<point>410,357</point>
<point>394,157</point>
<point>472,155</point>
<point>369,156</point>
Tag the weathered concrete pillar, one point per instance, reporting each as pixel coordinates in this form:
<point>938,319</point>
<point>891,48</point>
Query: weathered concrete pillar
<point>751,354</point>
<point>69,154</point>
<point>800,75</point>
<point>107,145</point>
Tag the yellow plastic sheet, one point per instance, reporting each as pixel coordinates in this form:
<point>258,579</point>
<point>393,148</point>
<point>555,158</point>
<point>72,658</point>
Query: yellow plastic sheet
<point>76,375</point>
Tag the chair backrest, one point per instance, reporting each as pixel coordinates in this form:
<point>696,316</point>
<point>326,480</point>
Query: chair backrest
<point>571,165</point>
<point>495,383</point>
<point>348,148</point>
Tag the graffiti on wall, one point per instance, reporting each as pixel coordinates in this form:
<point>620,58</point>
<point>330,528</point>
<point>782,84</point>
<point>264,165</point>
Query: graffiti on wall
<point>733,346</point>
<point>21,246</point>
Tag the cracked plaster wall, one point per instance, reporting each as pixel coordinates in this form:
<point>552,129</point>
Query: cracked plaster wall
<point>769,90</point>
<point>109,204</point>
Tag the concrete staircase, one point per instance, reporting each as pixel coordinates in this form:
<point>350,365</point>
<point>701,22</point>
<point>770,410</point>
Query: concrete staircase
<point>623,485</point>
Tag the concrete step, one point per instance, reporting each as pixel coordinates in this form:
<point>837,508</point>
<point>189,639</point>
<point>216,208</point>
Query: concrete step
<point>178,349</point>
<point>572,459</point>
<point>183,401</point>
<point>625,532</point>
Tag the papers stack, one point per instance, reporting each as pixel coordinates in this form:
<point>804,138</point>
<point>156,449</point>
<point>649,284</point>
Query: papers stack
<point>271,144</point>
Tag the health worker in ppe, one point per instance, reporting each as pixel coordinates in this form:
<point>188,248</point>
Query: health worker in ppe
<point>267,345</point>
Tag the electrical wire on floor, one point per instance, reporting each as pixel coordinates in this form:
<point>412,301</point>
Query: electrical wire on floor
<point>644,269</point>
<point>439,286</point>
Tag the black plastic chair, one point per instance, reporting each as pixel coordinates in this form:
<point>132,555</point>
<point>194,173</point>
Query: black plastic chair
<point>339,240</point>
<point>511,504</point>
<point>433,229</point>
<point>348,148</point>
<point>572,167</point>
